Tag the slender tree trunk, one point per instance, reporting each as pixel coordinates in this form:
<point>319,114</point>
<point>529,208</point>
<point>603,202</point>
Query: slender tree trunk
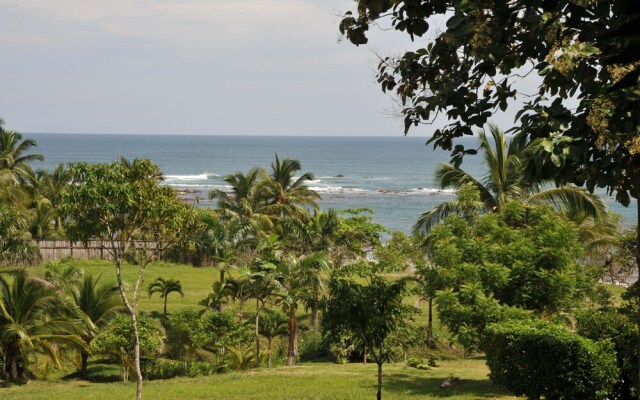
<point>136,355</point>
<point>269,352</point>
<point>364,354</point>
<point>315,323</point>
<point>221,275</point>
<point>635,170</point>
<point>257,334</point>
<point>292,352</point>
<point>638,272</point>
<point>165,305</point>
<point>134,324</point>
<point>430,341</point>
<point>379,394</point>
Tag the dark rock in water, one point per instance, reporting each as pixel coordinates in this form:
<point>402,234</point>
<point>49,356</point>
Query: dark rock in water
<point>339,176</point>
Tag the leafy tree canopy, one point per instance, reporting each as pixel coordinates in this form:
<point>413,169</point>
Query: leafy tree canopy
<point>586,51</point>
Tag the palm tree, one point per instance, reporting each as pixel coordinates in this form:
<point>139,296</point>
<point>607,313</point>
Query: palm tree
<point>164,287</point>
<point>98,305</point>
<point>218,296</point>
<point>245,203</point>
<point>240,290</point>
<point>263,287</point>
<point>34,318</point>
<point>12,153</point>
<point>220,241</point>
<point>505,181</point>
<point>240,359</point>
<point>285,194</point>
<point>272,324</point>
<point>48,189</point>
<point>301,282</point>
<point>312,275</point>
<point>15,244</point>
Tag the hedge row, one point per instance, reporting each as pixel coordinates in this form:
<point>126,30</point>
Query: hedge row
<point>541,359</point>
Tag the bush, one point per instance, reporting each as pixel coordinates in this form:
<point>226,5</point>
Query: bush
<point>541,359</point>
<point>417,362</point>
<point>614,325</point>
<point>166,369</point>
<point>312,347</point>
<point>116,341</point>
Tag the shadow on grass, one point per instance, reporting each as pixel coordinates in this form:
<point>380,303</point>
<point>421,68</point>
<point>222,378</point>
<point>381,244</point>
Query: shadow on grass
<point>411,385</point>
<point>98,373</point>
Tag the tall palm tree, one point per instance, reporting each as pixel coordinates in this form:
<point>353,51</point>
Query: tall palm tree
<point>301,282</point>
<point>286,194</point>
<point>34,318</point>
<point>245,203</point>
<point>505,181</point>
<point>164,287</point>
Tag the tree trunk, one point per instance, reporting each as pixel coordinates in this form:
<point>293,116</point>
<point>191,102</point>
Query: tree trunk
<point>635,171</point>
<point>221,275</point>
<point>430,341</point>
<point>379,394</point>
<point>292,352</point>
<point>12,361</point>
<point>638,272</point>
<point>136,355</point>
<point>314,317</point>
<point>165,305</point>
<point>134,324</point>
<point>269,352</point>
<point>257,333</point>
<point>84,357</point>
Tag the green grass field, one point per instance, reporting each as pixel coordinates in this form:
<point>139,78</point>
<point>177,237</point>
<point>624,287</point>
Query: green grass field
<point>306,381</point>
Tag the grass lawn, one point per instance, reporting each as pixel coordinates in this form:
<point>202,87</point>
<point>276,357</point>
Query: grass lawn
<point>306,381</point>
<point>196,282</point>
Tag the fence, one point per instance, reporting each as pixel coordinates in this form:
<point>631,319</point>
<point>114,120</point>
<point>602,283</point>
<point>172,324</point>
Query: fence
<point>58,249</point>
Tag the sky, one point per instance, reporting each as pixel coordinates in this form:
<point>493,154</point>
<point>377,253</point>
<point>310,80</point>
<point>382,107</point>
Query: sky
<point>253,67</point>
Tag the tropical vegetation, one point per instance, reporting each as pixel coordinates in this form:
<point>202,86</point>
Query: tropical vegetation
<point>273,280</point>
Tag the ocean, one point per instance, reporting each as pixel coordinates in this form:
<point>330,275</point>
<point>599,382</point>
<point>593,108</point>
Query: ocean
<point>391,175</point>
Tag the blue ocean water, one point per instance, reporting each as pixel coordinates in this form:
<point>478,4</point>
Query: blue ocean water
<point>392,175</point>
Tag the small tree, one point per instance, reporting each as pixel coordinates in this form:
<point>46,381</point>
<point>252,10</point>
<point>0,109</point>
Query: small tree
<point>372,312</point>
<point>271,325</point>
<point>124,205</point>
<point>118,342</point>
<point>164,287</point>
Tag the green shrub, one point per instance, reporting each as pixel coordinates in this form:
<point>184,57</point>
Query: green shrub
<point>614,325</point>
<point>166,369</point>
<point>159,368</point>
<point>417,362</point>
<point>542,359</point>
<point>433,360</point>
<point>116,341</point>
<point>312,347</point>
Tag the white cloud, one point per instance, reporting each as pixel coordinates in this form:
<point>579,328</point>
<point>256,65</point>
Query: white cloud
<point>202,65</point>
